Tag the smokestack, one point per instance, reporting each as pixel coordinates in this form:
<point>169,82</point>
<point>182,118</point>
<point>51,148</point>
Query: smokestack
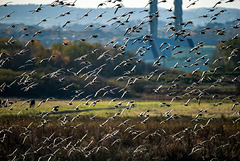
<point>154,23</point>
<point>178,13</point>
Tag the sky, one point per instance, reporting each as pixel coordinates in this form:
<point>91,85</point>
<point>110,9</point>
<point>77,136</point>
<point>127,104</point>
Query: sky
<point>133,3</point>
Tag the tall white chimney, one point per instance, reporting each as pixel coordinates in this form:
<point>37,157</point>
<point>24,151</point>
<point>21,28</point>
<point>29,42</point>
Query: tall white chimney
<point>154,23</point>
<point>178,13</point>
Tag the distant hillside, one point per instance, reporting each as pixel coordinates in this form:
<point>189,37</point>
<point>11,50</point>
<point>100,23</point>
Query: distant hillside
<point>22,14</point>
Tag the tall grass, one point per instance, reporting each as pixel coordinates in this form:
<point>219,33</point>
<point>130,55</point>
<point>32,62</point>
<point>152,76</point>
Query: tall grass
<point>173,140</point>
<point>69,134</point>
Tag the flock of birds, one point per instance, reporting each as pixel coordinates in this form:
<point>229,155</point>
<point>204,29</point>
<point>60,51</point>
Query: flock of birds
<point>124,105</point>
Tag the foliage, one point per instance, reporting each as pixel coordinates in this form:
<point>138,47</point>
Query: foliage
<point>8,75</point>
<point>64,57</point>
<point>228,56</point>
<point>230,53</point>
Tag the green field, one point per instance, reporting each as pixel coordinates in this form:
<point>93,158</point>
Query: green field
<point>105,109</point>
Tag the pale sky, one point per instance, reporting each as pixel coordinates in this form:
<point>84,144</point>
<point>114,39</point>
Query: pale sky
<point>132,3</point>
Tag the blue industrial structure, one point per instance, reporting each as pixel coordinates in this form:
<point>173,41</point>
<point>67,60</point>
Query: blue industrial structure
<point>155,43</point>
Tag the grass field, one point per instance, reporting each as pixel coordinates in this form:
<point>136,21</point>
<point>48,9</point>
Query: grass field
<point>143,131</point>
<point>105,109</point>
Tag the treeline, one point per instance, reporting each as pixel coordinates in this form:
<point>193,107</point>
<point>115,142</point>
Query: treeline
<point>67,63</point>
<point>17,57</point>
<point>65,69</point>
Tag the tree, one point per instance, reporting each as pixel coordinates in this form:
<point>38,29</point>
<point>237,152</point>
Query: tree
<point>228,60</point>
<point>228,56</point>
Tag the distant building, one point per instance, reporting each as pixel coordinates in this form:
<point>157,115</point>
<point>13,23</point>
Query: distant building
<point>167,43</point>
